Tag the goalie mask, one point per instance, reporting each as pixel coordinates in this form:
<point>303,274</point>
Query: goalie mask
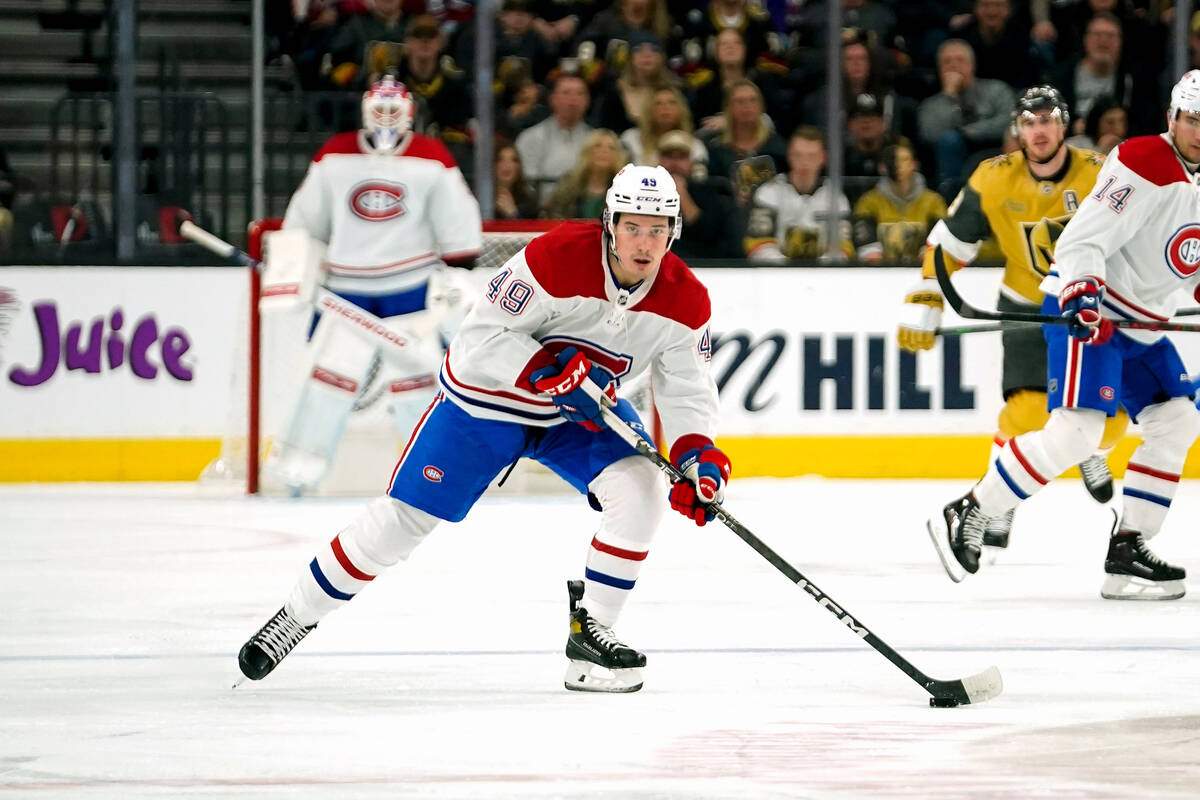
<point>642,190</point>
<point>387,114</point>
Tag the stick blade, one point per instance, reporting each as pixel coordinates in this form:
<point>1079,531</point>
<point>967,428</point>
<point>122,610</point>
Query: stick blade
<point>978,688</point>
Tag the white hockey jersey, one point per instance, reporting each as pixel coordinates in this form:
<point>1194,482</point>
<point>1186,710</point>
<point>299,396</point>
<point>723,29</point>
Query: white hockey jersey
<point>1137,233</point>
<point>558,292</point>
<point>388,219</point>
<point>783,223</point>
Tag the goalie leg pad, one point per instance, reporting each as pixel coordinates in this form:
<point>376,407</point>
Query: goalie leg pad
<point>387,531</point>
<point>411,372</point>
<point>341,362</point>
<point>632,496</point>
<point>291,269</point>
<point>1152,476</point>
<point>1029,462</point>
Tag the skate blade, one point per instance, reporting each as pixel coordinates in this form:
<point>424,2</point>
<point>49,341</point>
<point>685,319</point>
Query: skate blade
<point>584,676</point>
<point>1127,587</point>
<point>941,543</point>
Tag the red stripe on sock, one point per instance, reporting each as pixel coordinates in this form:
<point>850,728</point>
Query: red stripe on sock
<point>1153,473</point>
<point>1016,451</point>
<point>344,560</point>
<point>630,555</point>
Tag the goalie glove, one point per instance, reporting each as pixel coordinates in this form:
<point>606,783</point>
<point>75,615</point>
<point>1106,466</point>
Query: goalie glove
<point>707,471</point>
<point>1080,301</point>
<point>577,387</point>
<point>921,316</point>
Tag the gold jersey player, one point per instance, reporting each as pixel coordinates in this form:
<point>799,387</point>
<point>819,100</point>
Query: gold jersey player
<point>1024,199</point>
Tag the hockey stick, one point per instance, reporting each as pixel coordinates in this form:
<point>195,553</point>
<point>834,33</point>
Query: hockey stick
<point>945,694</point>
<point>968,311</point>
<point>986,328</point>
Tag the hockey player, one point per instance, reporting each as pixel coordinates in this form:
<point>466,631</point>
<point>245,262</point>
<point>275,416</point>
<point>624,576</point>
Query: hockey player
<point>391,209</point>
<point>577,313</point>
<point>1133,244</point>
<point>1008,196</point>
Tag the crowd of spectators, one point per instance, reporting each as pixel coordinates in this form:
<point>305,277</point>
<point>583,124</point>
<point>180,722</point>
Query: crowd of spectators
<point>730,97</point>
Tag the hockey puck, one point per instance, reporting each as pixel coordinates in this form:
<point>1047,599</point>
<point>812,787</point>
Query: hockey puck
<point>942,702</point>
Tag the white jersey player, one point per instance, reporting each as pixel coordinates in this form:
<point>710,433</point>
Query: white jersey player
<point>564,324</point>
<point>390,209</point>
<point>1133,244</point>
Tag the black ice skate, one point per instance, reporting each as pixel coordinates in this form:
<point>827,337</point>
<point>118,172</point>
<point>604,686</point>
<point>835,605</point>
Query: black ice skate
<point>1135,573</point>
<point>957,534</point>
<point>599,661</point>
<point>1097,478</point>
<point>265,649</point>
<point>997,530</point>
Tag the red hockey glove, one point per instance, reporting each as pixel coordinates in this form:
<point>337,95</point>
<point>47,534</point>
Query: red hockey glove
<point>1080,300</point>
<point>577,387</point>
<point>707,470</point>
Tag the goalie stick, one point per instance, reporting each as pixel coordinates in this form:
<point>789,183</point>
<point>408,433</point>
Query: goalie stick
<point>944,694</point>
<point>968,311</point>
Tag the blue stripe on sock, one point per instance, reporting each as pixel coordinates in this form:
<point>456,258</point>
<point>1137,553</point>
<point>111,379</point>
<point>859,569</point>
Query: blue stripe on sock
<point>607,580</point>
<point>324,583</point>
<point>1012,485</point>
<point>1150,498</point>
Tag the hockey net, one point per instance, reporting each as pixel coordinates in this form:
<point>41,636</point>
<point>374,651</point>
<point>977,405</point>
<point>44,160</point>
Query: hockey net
<point>370,446</point>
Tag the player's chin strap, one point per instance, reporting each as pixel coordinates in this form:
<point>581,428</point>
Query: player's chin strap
<point>972,689</point>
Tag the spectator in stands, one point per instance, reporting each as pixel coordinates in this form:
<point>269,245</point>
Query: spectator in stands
<point>580,193</point>
<point>518,42</point>
<point>876,18</point>
<point>618,22</point>
<point>559,20</point>
<point>892,220</point>
<point>551,147</point>
<point>666,110</point>
<point>349,54</point>
<point>747,152</point>
<point>968,116</point>
<point>442,88</point>
<point>866,137</point>
<point>864,71</point>
<point>520,107</point>
<point>709,218</point>
<point>703,23</point>
<point>1143,33</point>
<point>1106,126</point>
<point>308,35</point>
<point>1102,72</point>
<point>515,198</point>
<point>620,103</point>
<point>788,215</point>
<point>1003,48</point>
<point>709,82</point>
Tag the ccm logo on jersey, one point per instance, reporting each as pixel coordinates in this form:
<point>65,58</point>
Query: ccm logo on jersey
<point>377,200</point>
<point>432,473</point>
<point>1183,250</point>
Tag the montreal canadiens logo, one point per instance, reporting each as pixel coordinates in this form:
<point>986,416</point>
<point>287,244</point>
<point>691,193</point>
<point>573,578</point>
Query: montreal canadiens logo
<point>432,473</point>
<point>1107,393</point>
<point>1183,250</point>
<point>377,200</point>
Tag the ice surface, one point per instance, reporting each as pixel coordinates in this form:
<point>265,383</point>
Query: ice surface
<point>122,609</point>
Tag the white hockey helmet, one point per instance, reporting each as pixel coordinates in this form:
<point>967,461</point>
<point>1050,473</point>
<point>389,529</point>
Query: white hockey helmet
<point>1185,96</point>
<point>643,190</point>
<point>387,114</point>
